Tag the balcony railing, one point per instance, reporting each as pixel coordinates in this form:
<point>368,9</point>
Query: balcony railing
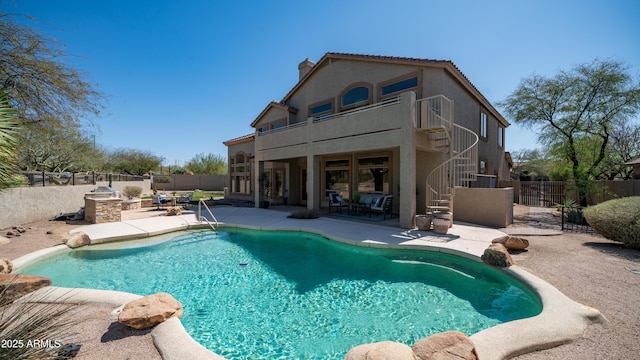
<point>283,128</point>
<point>383,103</point>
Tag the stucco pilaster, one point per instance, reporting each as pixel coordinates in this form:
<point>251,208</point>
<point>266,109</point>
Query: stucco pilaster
<point>257,190</point>
<point>407,195</point>
<point>313,182</point>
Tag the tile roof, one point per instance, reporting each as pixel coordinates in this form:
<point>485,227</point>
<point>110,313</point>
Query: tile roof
<point>447,64</point>
<point>280,105</point>
<point>239,140</point>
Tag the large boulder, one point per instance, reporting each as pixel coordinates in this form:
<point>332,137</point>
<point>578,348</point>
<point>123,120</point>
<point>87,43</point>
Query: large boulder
<point>150,310</point>
<point>448,345</point>
<point>497,255</point>
<point>512,242</point>
<point>78,239</point>
<point>385,350</point>
<point>13,286</point>
<point>6,266</point>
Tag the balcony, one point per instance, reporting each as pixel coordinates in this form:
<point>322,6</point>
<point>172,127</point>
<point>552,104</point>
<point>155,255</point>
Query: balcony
<point>387,115</point>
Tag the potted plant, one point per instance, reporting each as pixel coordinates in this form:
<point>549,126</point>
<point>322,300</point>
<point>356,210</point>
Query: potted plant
<point>356,197</point>
<point>440,225</point>
<point>423,222</point>
<point>265,185</point>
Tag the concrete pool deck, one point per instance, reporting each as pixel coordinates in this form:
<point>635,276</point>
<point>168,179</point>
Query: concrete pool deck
<point>562,320</point>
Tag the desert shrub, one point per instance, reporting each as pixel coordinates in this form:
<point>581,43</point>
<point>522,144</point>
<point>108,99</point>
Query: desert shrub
<point>23,323</point>
<point>303,214</point>
<point>617,220</point>
<point>132,191</point>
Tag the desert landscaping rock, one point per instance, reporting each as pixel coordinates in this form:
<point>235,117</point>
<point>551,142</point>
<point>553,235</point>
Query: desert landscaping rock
<point>512,242</point>
<point>6,266</point>
<point>174,211</point>
<point>13,286</point>
<point>497,255</point>
<point>78,239</point>
<point>150,310</point>
<point>381,351</point>
<point>449,345</point>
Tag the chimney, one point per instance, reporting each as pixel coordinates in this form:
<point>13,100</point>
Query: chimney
<point>304,67</point>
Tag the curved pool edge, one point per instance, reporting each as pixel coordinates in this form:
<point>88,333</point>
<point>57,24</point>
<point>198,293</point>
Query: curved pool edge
<point>561,321</point>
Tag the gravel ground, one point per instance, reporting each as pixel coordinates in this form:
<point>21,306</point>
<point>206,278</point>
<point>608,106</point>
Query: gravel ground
<point>587,268</point>
<point>595,272</point>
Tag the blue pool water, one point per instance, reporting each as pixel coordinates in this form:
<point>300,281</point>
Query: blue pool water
<point>292,295</point>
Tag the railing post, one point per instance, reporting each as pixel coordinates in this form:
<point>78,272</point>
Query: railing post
<point>43,184</point>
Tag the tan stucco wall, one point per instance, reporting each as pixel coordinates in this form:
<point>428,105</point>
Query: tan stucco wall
<point>28,204</point>
<point>488,207</point>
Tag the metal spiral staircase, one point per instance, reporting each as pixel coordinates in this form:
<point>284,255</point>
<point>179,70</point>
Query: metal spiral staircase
<point>460,146</point>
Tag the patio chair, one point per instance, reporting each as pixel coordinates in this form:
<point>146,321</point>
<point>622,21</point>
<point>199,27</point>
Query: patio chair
<point>382,206</point>
<point>336,200</point>
<point>159,200</point>
<point>184,200</point>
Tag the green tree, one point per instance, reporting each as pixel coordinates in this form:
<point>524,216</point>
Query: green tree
<point>531,163</point>
<point>577,110</point>
<point>132,161</point>
<point>207,164</point>
<point>47,147</point>
<point>8,143</point>
<point>38,82</point>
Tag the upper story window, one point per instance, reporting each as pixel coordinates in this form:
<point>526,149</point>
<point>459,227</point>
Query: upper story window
<point>356,96</point>
<point>501,137</point>
<point>483,124</point>
<point>277,125</point>
<point>397,87</point>
<point>321,108</point>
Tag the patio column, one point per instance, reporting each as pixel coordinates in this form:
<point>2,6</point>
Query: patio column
<point>407,195</point>
<point>257,191</point>
<point>313,182</point>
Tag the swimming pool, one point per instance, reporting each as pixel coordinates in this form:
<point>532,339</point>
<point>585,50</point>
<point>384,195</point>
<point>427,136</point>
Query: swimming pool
<point>274,294</point>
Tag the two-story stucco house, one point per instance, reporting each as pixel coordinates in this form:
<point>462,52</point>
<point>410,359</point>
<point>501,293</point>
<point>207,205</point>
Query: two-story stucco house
<point>412,128</point>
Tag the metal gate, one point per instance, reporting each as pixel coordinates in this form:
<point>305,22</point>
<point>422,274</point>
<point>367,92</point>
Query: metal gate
<point>541,193</point>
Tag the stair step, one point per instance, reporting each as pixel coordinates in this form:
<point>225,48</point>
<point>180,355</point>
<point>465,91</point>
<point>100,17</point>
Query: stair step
<point>437,207</point>
<point>441,201</point>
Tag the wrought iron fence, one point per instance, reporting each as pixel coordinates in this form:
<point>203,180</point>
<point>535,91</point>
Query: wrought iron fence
<point>541,193</point>
<point>573,220</point>
<point>43,178</point>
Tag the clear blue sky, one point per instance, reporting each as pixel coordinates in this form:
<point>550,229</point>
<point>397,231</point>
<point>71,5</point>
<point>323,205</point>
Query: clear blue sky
<point>184,76</point>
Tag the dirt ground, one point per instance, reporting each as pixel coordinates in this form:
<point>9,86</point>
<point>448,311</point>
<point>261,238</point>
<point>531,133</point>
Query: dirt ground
<point>587,268</point>
<point>99,336</point>
<point>592,271</point>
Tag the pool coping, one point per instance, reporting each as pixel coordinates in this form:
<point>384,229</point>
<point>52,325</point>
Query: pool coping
<point>561,321</point>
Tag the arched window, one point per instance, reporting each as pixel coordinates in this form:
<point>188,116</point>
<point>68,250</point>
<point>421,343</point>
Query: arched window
<point>358,95</point>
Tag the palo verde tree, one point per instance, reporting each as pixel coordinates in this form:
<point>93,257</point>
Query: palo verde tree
<point>576,110</point>
<point>133,162</point>
<point>52,100</point>
<point>37,80</point>
<point>207,164</point>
